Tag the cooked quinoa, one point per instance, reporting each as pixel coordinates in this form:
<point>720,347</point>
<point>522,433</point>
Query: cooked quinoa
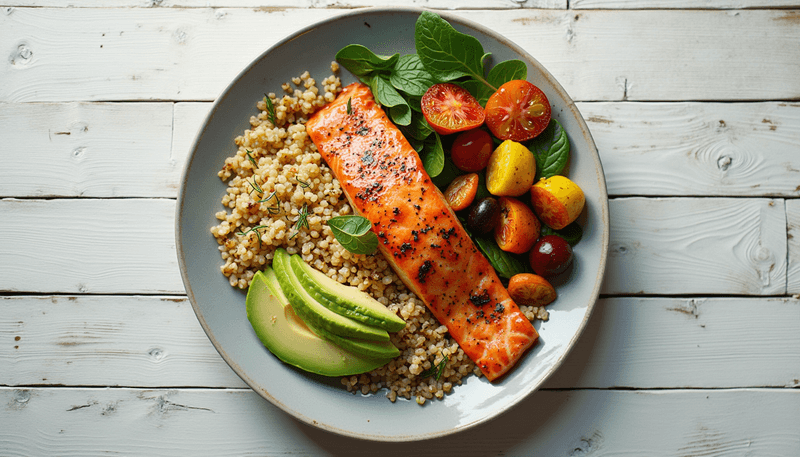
<point>285,200</point>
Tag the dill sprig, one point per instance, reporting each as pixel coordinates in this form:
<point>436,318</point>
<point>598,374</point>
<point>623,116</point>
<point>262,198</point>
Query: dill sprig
<point>255,186</point>
<point>254,229</point>
<point>250,158</point>
<point>302,221</point>
<point>436,370</point>
<point>270,110</point>
<point>272,209</point>
<point>303,184</point>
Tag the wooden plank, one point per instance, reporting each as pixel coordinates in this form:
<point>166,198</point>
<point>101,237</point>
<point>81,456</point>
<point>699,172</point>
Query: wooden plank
<point>696,246</point>
<point>88,246</point>
<point>290,4</point>
<point>136,341</point>
<point>723,149</point>
<point>658,246</point>
<point>793,235</point>
<point>165,53</point>
<point>684,4</point>
<point>90,422</point>
<point>88,150</point>
<point>692,342</point>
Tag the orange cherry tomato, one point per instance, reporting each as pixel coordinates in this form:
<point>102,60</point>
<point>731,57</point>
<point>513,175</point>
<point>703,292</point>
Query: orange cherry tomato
<point>531,290</point>
<point>471,150</point>
<point>449,108</point>
<point>518,111</point>
<point>461,192</point>
<point>518,228</point>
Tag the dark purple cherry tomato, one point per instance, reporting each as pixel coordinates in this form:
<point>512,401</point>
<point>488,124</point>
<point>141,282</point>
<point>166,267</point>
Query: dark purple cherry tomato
<point>550,255</point>
<point>484,215</point>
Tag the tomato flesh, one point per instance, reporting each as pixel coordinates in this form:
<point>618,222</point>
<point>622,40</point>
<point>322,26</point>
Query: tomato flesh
<point>518,111</point>
<point>461,192</point>
<point>471,150</point>
<point>449,108</point>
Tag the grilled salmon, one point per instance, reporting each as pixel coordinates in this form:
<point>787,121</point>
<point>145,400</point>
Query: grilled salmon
<point>418,233</point>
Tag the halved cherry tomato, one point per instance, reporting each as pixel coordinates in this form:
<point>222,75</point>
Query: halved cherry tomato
<point>518,228</point>
<point>531,290</point>
<point>449,108</point>
<point>471,150</point>
<point>461,192</point>
<point>518,111</point>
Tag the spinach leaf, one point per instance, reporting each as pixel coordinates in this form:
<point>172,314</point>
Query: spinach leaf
<point>410,76</point>
<point>361,61</point>
<point>448,174</point>
<point>354,234</point>
<point>500,74</point>
<point>551,149</point>
<point>445,52</point>
<point>387,95</point>
<point>418,128</point>
<point>505,264</point>
<point>572,233</point>
<point>432,155</point>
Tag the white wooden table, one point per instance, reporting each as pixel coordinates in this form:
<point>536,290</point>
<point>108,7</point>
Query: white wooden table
<point>693,350</point>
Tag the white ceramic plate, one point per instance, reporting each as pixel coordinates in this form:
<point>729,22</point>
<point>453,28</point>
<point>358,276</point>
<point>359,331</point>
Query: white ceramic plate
<point>320,401</point>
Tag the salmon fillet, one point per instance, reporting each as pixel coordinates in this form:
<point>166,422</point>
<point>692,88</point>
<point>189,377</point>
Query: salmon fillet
<point>418,233</point>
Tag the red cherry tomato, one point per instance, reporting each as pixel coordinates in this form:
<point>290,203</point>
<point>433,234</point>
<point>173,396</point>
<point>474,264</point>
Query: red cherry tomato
<point>518,111</point>
<point>449,108</point>
<point>550,256</point>
<point>471,150</point>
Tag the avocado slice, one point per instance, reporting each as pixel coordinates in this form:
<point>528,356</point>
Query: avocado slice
<point>313,313</point>
<point>288,337</point>
<point>345,300</point>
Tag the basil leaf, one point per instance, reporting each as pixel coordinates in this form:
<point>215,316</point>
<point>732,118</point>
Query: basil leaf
<point>551,149</point>
<point>572,233</point>
<point>500,74</point>
<point>385,93</point>
<point>445,52</point>
<point>361,61</point>
<point>410,76</point>
<point>418,128</point>
<point>432,155</point>
<point>400,114</point>
<point>354,234</point>
<point>504,263</point>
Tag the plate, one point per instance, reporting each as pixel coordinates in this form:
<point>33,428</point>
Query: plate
<point>220,308</point>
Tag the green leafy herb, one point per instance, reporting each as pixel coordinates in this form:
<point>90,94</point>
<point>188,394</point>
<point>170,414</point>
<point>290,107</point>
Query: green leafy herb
<point>447,53</point>
<point>500,74</point>
<point>448,174</point>
<point>250,158</point>
<point>350,106</point>
<point>410,76</point>
<point>418,128</point>
<point>572,233</point>
<point>551,149</point>
<point>254,229</point>
<point>432,155</point>
<point>270,110</point>
<point>303,184</point>
<point>387,95</point>
<point>505,264</point>
<point>302,221</point>
<point>361,61</point>
<point>273,209</point>
<point>354,233</point>
<point>255,186</point>
<point>435,370</point>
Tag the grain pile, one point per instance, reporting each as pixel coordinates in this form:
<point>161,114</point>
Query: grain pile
<point>280,194</point>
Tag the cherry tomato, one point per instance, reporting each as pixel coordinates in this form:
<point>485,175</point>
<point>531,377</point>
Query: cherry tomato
<point>471,150</point>
<point>518,228</point>
<point>550,256</point>
<point>449,108</point>
<point>461,192</point>
<point>518,111</point>
<point>531,290</point>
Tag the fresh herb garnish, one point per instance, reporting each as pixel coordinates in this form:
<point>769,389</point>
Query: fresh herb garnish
<point>350,105</point>
<point>272,209</point>
<point>302,183</point>
<point>436,370</point>
<point>255,185</point>
<point>302,221</point>
<point>250,158</point>
<point>270,110</point>
<point>551,149</point>
<point>354,234</point>
<point>254,229</point>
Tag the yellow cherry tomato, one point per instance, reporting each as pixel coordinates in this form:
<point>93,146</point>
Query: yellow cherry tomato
<point>511,170</point>
<point>557,201</point>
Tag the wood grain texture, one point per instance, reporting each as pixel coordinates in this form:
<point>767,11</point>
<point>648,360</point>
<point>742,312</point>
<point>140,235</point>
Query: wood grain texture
<point>696,246</point>
<point>88,150</point>
<point>89,422</point>
<point>793,242</point>
<point>638,343</point>
<point>165,53</point>
<point>724,149</point>
<point>135,341</point>
<point>297,4</point>
<point>88,246</point>
<point>685,4</point>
